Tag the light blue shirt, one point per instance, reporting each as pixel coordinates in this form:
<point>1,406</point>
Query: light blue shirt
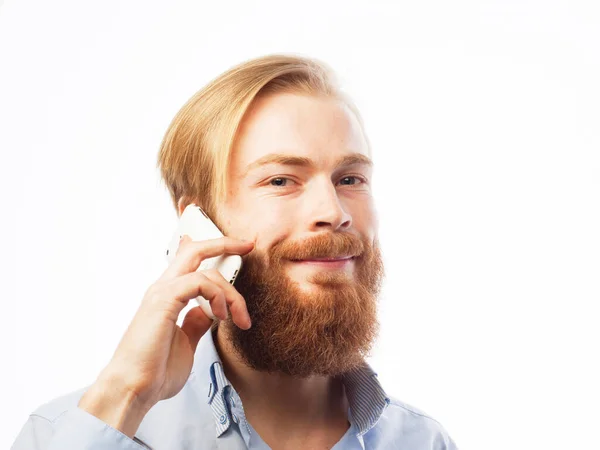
<point>208,414</point>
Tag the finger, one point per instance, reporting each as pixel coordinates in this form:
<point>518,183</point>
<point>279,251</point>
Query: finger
<point>191,253</point>
<point>212,292</point>
<point>174,295</point>
<point>184,238</point>
<point>195,324</point>
<point>235,300</point>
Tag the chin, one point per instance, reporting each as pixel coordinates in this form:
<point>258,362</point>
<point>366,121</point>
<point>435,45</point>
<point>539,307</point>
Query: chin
<point>306,287</point>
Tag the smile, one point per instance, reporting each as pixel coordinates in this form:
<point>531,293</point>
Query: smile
<point>326,263</point>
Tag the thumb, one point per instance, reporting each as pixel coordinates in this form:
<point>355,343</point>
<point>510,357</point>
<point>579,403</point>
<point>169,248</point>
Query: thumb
<point>195,324</point>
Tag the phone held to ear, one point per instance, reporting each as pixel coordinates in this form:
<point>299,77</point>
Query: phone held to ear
<point>195,223</point>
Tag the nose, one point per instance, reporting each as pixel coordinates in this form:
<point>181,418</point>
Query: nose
<point>327,213</point>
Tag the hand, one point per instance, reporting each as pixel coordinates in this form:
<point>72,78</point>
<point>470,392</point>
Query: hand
<point>155,356</point>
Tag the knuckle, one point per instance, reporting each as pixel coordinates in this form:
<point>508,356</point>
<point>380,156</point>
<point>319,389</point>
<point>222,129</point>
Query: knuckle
<point>196,261</point>
<point>218,294</point>
<point>200,277</point>
<point>183,245</point>
<point>200,252</point>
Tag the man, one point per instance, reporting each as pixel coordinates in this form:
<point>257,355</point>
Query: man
<point>277,157</point>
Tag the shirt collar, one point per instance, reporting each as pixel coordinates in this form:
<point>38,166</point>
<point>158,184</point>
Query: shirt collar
<point>366,396</point>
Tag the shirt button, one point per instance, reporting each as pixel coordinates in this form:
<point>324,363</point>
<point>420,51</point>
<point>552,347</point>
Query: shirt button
<point>222,419</point>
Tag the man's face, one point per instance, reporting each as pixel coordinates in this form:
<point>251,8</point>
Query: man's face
<point>307,195</point>
<point>299,185</point>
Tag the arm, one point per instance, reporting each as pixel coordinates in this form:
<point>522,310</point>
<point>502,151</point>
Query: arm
<point>153,359</point>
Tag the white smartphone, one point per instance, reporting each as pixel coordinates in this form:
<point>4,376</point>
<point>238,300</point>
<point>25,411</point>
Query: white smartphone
<point>195,223</point>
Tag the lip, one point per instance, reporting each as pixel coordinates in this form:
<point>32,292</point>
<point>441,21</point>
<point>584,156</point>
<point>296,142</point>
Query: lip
<point>326,263</point>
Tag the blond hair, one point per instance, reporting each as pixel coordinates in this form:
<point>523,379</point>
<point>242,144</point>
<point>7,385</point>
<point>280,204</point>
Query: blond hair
<point>195,152</point>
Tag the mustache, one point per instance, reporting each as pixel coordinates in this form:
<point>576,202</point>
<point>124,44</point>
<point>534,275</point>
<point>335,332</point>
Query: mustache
<point>326,245</point>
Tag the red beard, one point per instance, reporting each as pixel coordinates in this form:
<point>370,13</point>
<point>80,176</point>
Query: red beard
<point>328,331</point>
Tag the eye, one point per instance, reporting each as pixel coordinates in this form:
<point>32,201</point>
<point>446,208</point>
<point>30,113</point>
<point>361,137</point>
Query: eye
<point>279,181</point>
<point>351,180</point>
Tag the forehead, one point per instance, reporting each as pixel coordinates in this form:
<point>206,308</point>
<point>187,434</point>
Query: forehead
<point>318,128</point>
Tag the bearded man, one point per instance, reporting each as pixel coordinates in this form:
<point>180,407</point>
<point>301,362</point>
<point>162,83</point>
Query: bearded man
<point>276,155</point>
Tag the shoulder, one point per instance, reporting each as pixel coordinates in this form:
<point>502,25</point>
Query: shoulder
<point>403,425</point>
<point>400,410</point>
<point>53,409</point>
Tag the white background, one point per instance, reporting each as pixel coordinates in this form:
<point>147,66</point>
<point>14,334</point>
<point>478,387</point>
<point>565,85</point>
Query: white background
<point>485,122</point>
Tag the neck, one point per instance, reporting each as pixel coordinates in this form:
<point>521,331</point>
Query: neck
<point>278,403</point>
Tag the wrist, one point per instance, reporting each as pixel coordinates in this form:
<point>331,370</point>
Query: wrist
<point>115,405</point>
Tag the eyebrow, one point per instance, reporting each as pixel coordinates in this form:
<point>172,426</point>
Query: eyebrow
<point>301,161</point>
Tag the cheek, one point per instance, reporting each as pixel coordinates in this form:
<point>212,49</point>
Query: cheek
<point>264,220</point>
<point>364,217</point>
<point>272,225</point>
